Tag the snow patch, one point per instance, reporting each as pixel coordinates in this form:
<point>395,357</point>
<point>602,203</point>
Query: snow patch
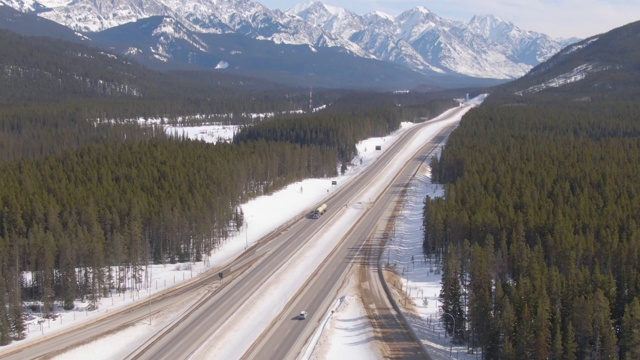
<point>383,15</point>
<point>222,65</point>
<point>577,47</point>
<point>347,333</point>
<point>133,51</point>
<point>575,75</point>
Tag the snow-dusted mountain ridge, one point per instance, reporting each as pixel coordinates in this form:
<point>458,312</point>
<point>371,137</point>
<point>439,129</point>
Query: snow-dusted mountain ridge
<point>485,47</point>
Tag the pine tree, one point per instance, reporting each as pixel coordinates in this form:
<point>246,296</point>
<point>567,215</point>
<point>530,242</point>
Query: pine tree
<point>556,344</point>
<point>541,330</point>
<point>451,296</point>
<point>14,290</point>
<point>630,329</point>
<point>524,341</point>
<point>480,299</point>
<point>5,328</point>
<point>570,345</point>
<point>605,336</point>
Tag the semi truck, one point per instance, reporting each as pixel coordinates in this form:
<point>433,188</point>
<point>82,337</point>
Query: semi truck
<point>319,211</point>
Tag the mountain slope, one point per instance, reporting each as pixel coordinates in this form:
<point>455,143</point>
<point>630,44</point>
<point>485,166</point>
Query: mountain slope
<point>606,64</point>
<point>163,43</point>
<point>33,25</point>
<point>45,70</point>
<point>486,47</point>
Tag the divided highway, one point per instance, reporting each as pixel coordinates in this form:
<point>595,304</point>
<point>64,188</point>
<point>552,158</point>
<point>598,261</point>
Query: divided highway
<point>362,246</point>
<point>285,337</point>
<point>214,304</point>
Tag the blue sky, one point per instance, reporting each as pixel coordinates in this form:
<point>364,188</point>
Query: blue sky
<point>557,18</point>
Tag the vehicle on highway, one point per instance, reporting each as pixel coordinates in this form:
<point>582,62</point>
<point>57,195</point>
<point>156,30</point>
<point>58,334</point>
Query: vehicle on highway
<point>319,211</point>
<point>303,315</point>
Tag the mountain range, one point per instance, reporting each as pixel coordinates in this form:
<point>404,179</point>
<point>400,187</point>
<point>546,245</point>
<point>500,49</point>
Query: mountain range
<point>417,46</point>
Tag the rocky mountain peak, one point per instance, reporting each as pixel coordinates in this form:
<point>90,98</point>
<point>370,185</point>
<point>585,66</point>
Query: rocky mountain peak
<point>485,47</point>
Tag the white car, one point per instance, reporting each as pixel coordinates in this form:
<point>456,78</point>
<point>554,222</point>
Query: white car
<point>303,315</point>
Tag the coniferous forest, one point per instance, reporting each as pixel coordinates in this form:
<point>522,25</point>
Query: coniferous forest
<point>88,199</point>
<point>539,230</point>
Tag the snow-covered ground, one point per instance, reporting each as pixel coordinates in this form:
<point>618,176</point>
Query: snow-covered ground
<point>419,276</point>
<point>206,133</point>
<point>346,334</point>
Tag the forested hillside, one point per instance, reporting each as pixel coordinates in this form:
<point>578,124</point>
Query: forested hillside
<point>87,199</point>
<point>539,231</point>
<point>351,118</point>
<point>56,96</point>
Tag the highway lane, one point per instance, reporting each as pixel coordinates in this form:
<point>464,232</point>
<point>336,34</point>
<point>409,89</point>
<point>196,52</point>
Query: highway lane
<point>182,340</point>
<point>285,339</point>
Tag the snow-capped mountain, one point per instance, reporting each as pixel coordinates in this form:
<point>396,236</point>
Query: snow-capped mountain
<point>486,47</point>
<point>419,39</point>
<point>245,17</point>
<point>334,20</point>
